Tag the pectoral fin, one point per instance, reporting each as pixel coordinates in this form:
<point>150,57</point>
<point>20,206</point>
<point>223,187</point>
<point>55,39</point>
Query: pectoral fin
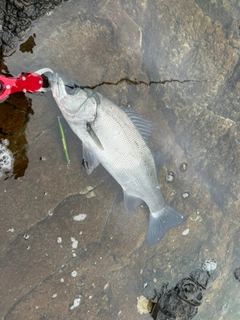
<point>94,136</point>
<point>89,160</point>
<point>131,202</point>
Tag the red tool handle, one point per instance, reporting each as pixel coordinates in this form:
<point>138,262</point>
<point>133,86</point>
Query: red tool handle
<point>26,82</point>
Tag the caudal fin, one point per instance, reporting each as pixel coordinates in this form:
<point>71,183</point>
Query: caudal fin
<point>157,227</point>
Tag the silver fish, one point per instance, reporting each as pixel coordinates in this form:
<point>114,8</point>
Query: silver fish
<point>117,140</point>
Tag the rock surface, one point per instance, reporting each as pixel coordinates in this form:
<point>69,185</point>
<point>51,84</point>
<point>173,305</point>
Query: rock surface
<point>176,63</point>
<point>16,17</point>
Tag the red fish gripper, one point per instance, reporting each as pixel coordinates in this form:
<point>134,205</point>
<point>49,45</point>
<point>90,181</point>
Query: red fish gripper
<point>26,82</point>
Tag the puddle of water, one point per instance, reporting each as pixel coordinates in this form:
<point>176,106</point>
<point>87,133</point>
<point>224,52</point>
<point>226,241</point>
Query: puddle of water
<point>67,234</point>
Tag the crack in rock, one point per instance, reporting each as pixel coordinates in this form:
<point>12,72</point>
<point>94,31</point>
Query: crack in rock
<point>135,82</point>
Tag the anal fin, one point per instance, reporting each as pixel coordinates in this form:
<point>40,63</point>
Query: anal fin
<point>131,202</point>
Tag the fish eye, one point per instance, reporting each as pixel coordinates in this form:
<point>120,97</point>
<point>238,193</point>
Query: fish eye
<point>71,88</point>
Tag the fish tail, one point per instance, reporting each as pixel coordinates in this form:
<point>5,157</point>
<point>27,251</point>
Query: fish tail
<point>161,222</point>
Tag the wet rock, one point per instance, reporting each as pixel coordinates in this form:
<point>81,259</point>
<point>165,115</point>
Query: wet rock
<point>183,300</point>
<point>15,112</point>
<point>16,17</point>
<point>193,122</point>
<point>28,45</point>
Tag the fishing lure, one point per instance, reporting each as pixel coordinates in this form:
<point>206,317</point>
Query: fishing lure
<point>63,141</point>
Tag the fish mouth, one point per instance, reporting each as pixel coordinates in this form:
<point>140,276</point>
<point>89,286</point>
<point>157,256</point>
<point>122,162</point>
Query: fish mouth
<point>63,90</point>
<point>59,83</point>
<point>62,86</point>
<point>57,86</point>
<point>55,82</point>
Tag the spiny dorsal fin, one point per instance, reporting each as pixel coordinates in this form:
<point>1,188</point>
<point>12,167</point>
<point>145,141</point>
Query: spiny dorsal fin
<point>144,126</point>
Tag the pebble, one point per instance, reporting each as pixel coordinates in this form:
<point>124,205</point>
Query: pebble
<point>185,232</point>
<point>170,177</point>
<point>183,166</point>
<point>185,195</point>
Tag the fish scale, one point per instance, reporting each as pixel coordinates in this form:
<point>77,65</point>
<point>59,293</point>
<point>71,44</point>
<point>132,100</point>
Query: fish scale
<point>129,151</point>
<point>117,140</point>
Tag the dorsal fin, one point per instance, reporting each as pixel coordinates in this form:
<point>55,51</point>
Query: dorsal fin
<point>144,126</point>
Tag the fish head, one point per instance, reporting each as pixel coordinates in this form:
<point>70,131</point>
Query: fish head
<point>68,96</point>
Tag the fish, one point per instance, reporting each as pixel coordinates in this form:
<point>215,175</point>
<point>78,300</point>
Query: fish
<point>116,139</point>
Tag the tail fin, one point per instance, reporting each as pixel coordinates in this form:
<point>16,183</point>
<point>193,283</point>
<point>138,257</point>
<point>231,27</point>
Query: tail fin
<point>157,227</point>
